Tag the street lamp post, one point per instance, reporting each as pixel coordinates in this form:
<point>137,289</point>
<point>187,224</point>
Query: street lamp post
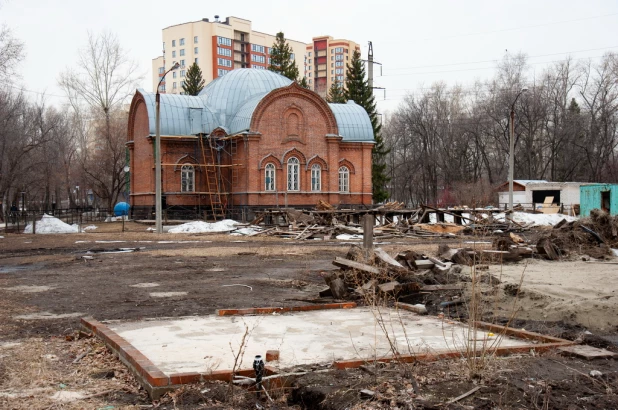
<point>158,210</point>
<point>512,149</point>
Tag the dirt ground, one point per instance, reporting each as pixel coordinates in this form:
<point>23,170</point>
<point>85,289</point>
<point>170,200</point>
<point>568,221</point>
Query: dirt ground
<point>46,285</point>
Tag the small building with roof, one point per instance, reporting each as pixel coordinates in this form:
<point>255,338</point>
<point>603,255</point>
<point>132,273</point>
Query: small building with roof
<point>251,139</point>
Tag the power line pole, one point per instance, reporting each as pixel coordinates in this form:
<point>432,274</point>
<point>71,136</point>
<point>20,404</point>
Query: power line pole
<point>370,64</point>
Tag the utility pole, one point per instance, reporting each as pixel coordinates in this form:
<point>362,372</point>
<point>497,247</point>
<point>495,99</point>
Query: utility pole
<point>370,64</point>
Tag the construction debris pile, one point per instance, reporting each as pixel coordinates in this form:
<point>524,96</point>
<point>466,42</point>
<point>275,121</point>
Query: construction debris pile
<point>392,221</point>
<point>373,275</point>
<point>594,236</point>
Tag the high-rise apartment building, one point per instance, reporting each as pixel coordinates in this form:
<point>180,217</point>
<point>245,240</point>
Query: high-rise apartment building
<point>217,47</point>
<point>326,62</point>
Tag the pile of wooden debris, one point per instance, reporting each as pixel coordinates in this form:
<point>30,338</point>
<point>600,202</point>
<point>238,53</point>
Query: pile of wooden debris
<point>374,275</point>
<point>392,221</point>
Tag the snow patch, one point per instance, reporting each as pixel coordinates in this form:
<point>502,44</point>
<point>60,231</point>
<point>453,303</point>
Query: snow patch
<point>50,224</point>
<point>47,315</point>
<point>145,285</point>
<point>536,219</point>
<point>226,225</point>
<point>348,237</point>
<point>89,228</point>
<point>166,294</point>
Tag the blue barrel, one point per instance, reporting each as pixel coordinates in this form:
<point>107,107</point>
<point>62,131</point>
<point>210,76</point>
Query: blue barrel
<point>121,209</point>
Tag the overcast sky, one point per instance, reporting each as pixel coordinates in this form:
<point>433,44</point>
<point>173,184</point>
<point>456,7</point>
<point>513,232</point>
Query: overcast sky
<point>418,42</point>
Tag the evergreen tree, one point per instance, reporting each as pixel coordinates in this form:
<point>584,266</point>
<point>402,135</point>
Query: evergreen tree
<point>281,58</point>
<point>194,83</point>
<point>303,83</point>
<point>357,89</point>
<point>336,93</point>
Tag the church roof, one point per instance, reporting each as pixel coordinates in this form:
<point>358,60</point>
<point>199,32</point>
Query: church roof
<point>229,101</point>
<point>352,121</point>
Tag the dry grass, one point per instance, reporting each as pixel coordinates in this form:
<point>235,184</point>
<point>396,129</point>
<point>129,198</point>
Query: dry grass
<point>32,371</point>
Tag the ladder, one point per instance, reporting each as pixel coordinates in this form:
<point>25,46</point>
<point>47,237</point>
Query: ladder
<point>211,170</point>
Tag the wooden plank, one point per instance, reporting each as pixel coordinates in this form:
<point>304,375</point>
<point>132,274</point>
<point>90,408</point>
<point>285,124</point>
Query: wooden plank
<point>437,262</point>
<point>441,287</point>
<point>424,264</point>
<point>587,352</point>
<point>386,258</point>
<point>348,264</point>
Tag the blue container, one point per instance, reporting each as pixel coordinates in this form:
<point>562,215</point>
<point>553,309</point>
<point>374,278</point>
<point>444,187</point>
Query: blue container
<point>121,209</point>
<point>598,196</point>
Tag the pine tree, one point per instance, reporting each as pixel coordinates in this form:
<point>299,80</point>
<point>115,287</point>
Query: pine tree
<point>281,58</point>
<point>303,83</point>
<point>336,93</point>
<point>357,89</point>
<point>194,83</point>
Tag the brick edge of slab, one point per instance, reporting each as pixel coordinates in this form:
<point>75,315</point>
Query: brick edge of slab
<point>544,343</point>
<point>271,310</point>
<point>154,381</point>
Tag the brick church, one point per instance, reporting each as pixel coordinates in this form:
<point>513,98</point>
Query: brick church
<point>251,139</point>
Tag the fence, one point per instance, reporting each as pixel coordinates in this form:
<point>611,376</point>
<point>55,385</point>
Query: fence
<point>537,207</point>
<point>16,221</point>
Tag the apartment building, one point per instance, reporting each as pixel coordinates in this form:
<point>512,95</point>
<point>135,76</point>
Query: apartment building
<point>326,62</point>
<point>217,47</point>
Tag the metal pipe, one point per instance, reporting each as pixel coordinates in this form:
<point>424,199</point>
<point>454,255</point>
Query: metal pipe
<point>158,210</point>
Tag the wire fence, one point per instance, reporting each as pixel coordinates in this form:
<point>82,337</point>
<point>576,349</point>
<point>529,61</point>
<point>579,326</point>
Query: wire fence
<point>17,220</point>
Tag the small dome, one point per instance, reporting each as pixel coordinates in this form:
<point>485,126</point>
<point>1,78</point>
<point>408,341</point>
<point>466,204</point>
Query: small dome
<point>353,122</point>
<point>225,95</point>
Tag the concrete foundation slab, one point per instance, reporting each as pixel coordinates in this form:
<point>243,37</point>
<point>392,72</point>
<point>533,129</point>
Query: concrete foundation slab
<point>206,344</point>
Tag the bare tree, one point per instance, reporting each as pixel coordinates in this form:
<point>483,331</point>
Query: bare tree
<point>11,53</point>
<point>105,77</point>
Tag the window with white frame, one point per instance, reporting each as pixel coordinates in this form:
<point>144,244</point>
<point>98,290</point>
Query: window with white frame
<point>269,50</point>
<point>224,41</point>
<point>293,174</point>
<point>339,57</point>
<point>174,85</point>
<point>173,53</point>
<point>182,63</point>
<point>222,71</point>
<point>183,73</point>
<point>339,50</point>
<point>258,59</point>
<point>269,177</point>
<point>195,50</point>
<point>173,43</point>
<point>224,51</point>
<point>187,178</point>
<point>316,177</point>
<point>259,67</point>
<point>344,179</point>
<point>195,39</point>
<point>174,74</point>
<point>339,63</point>
<point>182,52</point>
<point>309,54</point>
<point>292,56</point>
<point>257,48</point>
<point>196,60</point>
<point>161,70</point>
<point>340,78</point>
<point>224,62</point>
<point>182,41</point>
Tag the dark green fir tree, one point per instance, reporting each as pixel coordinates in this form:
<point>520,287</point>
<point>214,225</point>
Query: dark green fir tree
<point>336,93</point>
<point>194,83</point>
<point>357,89</point>
<point>281,60</point>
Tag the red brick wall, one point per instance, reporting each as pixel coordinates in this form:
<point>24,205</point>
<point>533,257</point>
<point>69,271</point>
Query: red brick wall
<point>288,122</point>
